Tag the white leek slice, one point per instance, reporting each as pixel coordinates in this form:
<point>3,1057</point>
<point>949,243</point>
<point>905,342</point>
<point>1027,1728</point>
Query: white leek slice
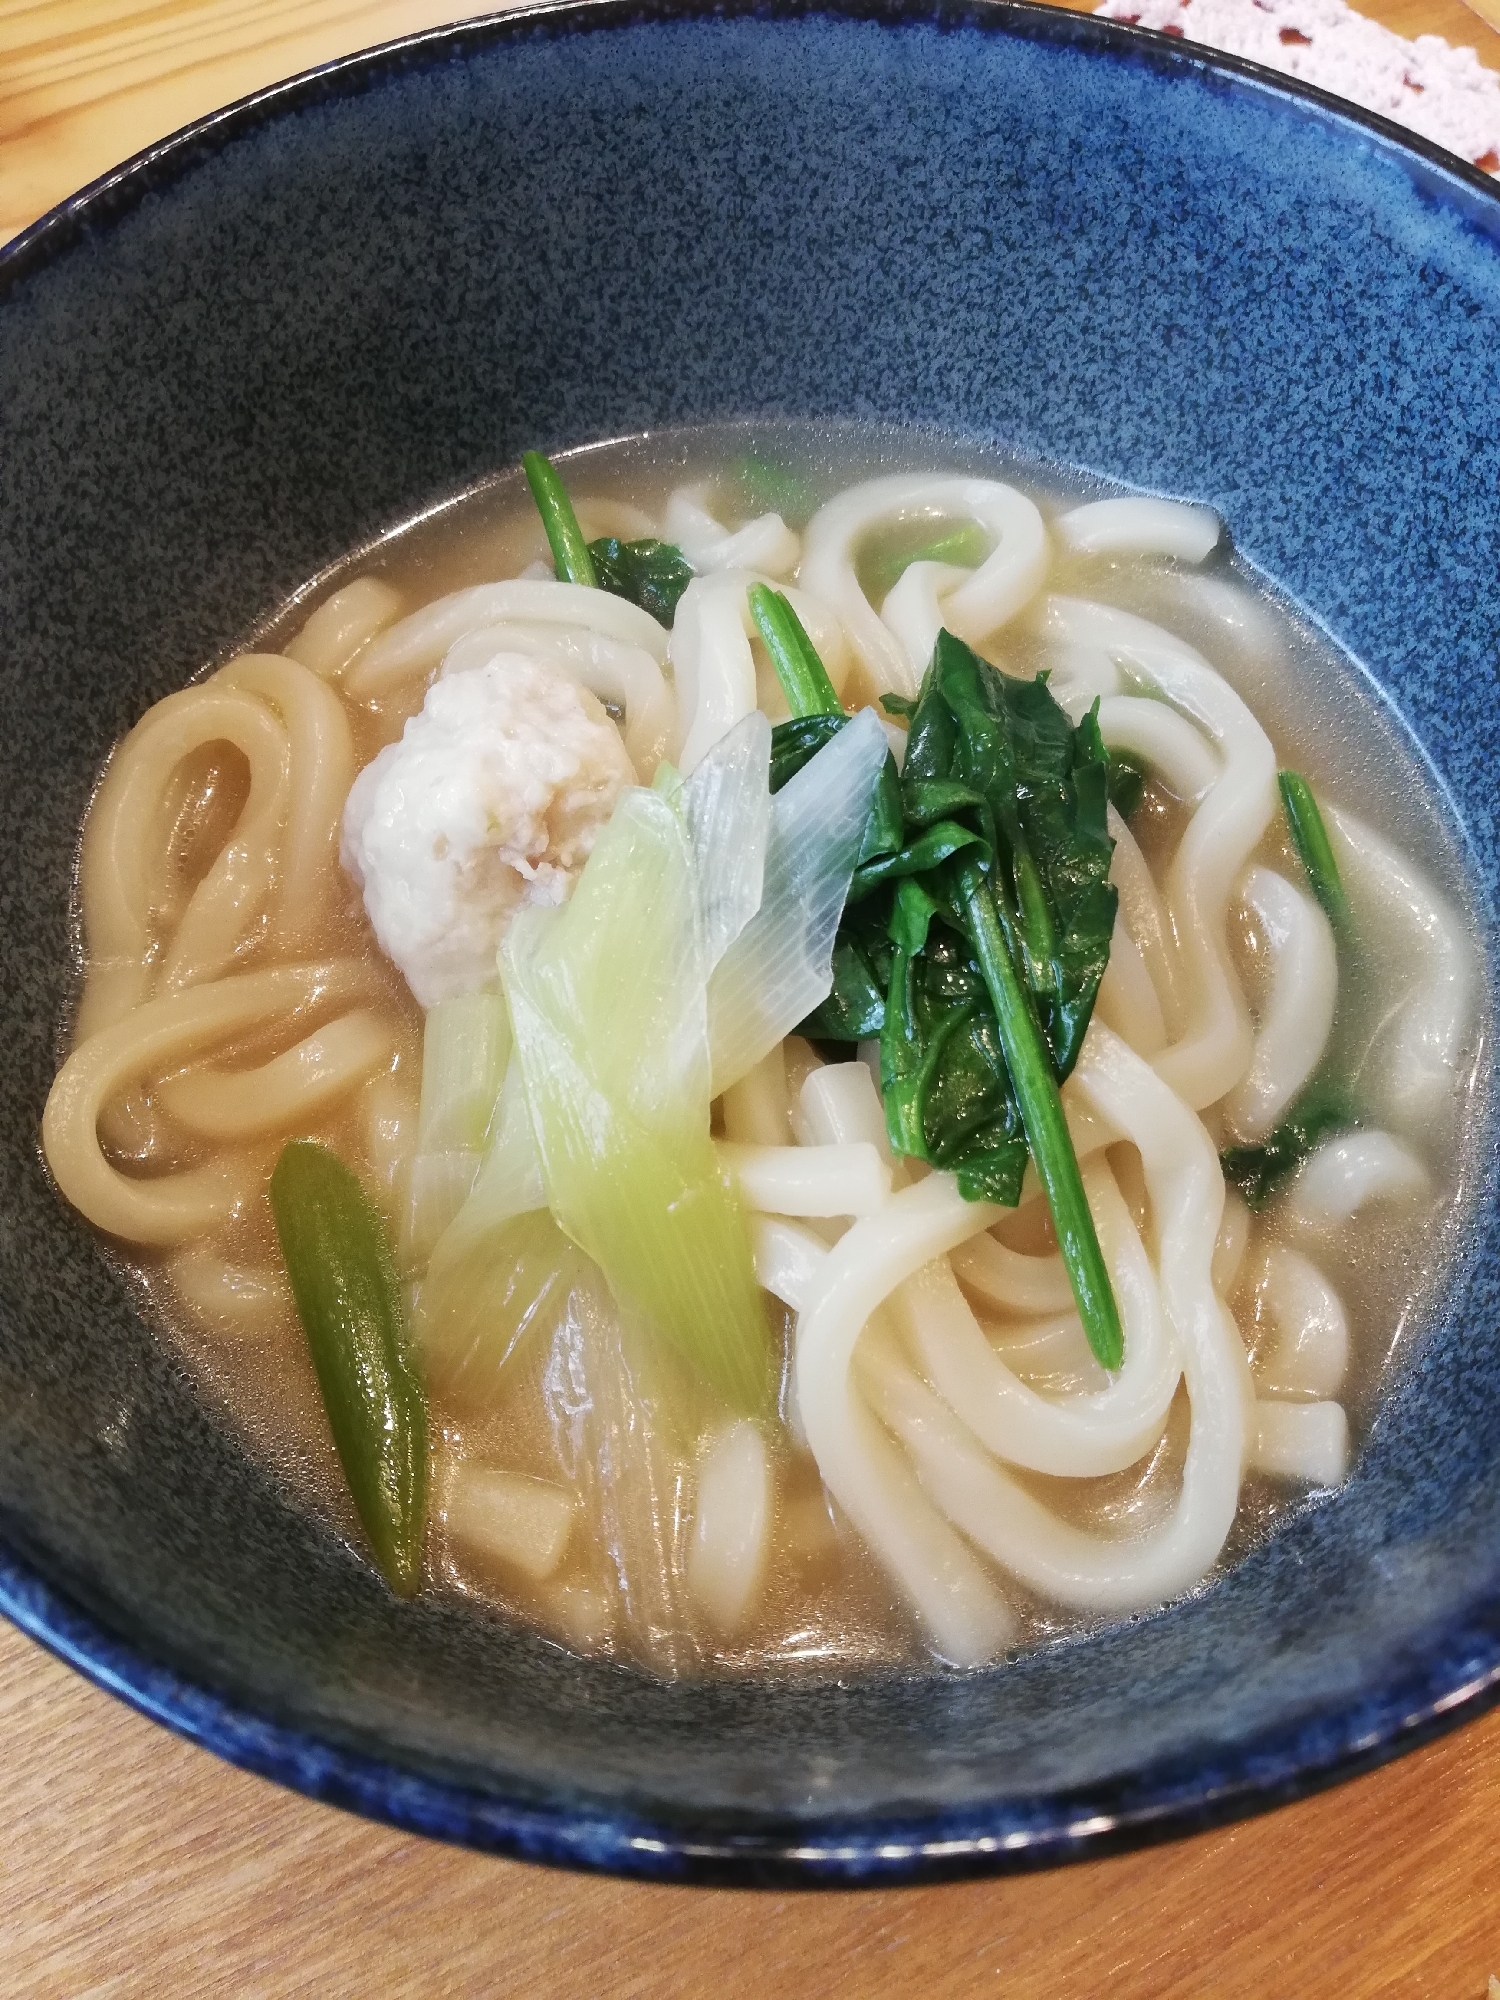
<point>465,1047</point>
<point>781,965</point>
<point>607,997</point>
<point>726,806</point>
<point>438,1187</point>
<point>495,1289</point>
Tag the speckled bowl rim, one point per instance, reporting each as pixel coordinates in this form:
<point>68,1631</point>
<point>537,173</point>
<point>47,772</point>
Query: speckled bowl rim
<point>1454,1677</point>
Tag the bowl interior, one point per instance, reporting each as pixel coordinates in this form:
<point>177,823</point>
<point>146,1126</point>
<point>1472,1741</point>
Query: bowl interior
<point>326,311</point>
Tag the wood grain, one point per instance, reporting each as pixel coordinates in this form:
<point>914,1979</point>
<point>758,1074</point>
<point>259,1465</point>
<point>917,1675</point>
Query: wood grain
<point>137,1864</point>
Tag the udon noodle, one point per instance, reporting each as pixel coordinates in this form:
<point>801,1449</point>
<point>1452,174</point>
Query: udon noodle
<point>949,1470</point>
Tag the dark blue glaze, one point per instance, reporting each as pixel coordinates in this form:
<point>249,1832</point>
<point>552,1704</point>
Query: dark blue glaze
<point>297,323</point>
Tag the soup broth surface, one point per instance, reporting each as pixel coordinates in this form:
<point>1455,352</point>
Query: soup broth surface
<point>827,1606</point>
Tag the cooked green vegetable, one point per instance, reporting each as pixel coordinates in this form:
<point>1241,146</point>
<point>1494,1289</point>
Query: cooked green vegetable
<point>802,674</point>
<point>882,565</point>
<point>570,555</point>
<point>1042,1114</point>
<point>1126,784</point>
<point>1314,851</point>
<point>975,936</point>
<point>1258,1171</point>
<point>648,573</point>
<point>344,1283</point>
<point>999,755</point>
<point>766,487</point>
<point>465,1047</point>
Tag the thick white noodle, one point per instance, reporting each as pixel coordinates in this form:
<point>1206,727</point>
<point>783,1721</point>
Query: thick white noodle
<point>505,1517</point>
<point>1127,999</point>
<point>1088,1435</point>
<point>1146,921</point>
<point>415,647</point>
<point>1085,1436</point>
<point>1307,1350</point>
<point>248,1302</point>
<point>1347,1172</point>
<point>766,544</point>
<point>788,1258</point>
<point>964,1614</point>
<point>1112,1572</point>
<point>726,1559</point>
<point>1135,525</point>
<point>344,624</point>
<point>1303,1441</point>
<point>123,907</point>
<point>1296,1015</point>
<point>1051,1355</point>
<point>1420,1050</point>
<point>1233,1241</point>
<point>914,610</point>
<point>625,676</point>
<point>1165,742</point>
<point>974,609</point>
<point>712,665</point>
<point>322,770</point>
<point>808,1180</point>
<point>1214,1050</point>
<point>160,1035</point>
<point>300,1083</point>
<point>1004,1278</point>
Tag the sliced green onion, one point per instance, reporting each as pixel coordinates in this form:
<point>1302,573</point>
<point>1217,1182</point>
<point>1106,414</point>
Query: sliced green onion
<point>570,552</point>
<point>1046,1125</point>
<point>1314,850</point>
<point>344,1283</point>
<point>803,676</point>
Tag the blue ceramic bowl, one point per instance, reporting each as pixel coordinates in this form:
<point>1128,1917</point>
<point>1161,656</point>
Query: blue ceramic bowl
<point>299,321</point>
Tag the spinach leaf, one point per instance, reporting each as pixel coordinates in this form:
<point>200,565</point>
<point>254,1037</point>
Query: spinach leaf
<point>1126,783</point>
<point>797,742</point>
<point>975,935</point>
<point>1040,792</point>
<point>651,574</point>
<point>1258,1171</point>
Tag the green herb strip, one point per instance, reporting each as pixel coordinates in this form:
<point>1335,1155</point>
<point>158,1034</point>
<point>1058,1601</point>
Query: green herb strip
<point>1046,1126</point>
<point>570,555</point>
<point>803,677</point>
<point>349,1302</point>
<point>1314,850</point>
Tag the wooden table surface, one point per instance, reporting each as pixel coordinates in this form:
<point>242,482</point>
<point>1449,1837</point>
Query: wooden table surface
<point>135,1864</point>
